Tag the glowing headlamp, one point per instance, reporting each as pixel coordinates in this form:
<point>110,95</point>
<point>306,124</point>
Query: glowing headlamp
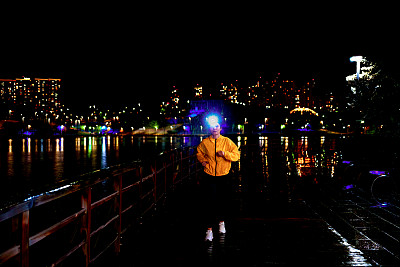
<point>212,120</point>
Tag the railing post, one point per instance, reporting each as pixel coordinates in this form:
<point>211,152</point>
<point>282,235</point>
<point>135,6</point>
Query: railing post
<point>155,182</point>
<point>181,163</point>
<point>189,165</point>
<point>196,169</point>
<point>86,203</point>
<point>118,209</point>
<point>140,175</point>
<point>165,176</point>
<point>25,239</point>
<point>173,171</point>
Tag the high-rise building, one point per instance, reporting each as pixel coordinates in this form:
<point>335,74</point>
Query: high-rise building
<point>229,92</point>
<point>47,95</point>
<point>198,92</point>
<point>281,94</point>
<point>7,91</point>
<point>35,98</point>
<point>305,97</point>
<point>171,108</point>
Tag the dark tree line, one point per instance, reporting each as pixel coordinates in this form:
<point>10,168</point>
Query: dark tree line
<point>374,99</point>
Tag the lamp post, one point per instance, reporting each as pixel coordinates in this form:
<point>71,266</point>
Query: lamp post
<point>357,59</point>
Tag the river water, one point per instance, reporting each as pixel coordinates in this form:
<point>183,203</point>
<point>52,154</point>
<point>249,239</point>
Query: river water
<point>29,166</point>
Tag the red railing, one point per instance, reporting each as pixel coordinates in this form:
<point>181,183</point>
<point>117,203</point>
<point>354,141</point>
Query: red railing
<point>90,215</point>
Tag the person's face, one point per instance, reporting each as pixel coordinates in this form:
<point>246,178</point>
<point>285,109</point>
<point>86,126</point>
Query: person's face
<point>216,129</point>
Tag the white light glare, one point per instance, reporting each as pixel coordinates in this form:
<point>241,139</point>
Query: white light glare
<point>356,59</point>
<point>212,120</point>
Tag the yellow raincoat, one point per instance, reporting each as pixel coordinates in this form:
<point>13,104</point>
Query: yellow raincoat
<point>218,166</point>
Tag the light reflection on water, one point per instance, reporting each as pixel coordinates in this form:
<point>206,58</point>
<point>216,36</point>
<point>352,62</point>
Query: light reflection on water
<point>278,160</point>
<point>311,155</point>
<point>30,164</point>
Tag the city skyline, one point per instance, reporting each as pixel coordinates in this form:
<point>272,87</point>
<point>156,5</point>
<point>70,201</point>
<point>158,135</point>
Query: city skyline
<point>266,97</point>
<point>23,96</point>
<point>155,91</point>
<point>119,87</point>
<point>106,86</point>
<point>26,88</point>
<point>103,70</point>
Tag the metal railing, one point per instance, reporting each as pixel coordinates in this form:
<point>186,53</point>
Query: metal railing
<point>108,201</point>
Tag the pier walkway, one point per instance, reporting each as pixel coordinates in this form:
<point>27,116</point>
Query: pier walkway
<point>288,207</point>
<point>259,233</point>
<point>276,218</point>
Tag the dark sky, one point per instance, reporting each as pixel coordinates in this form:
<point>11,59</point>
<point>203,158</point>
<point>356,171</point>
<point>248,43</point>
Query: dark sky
<point>120,73</point>
<point>117,56</point>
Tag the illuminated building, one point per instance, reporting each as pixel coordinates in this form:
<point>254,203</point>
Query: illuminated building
<point>31,98</point>
<point>331,104</point>
<point>171,108</point>
<point>47,95</point>
<point>229,92</point>
<point>276,93</point>
<point>282,94</point>
<point>174,97</point>
<point>305,97</point>
<point>250,96</point>
<point>7,90</point>
<point>198,92</point>
<point>24,89</point>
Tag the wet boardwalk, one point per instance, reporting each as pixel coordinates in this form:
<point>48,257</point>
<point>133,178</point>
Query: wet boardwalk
<point>274,220</point>
<point>259,233</point>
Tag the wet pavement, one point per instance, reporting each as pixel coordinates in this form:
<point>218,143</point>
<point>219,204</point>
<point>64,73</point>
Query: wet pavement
<point>373,228</point>
<point>259,233</point>
<point>275,218</point>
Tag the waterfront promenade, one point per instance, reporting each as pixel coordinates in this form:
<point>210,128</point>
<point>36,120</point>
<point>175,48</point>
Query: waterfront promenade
<point>276,218</point>
<point>288,207</point>
<point>260,233</point>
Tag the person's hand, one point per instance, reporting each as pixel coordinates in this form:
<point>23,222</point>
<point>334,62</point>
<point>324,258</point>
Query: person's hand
<point>220,153</point>
<point>204,163</point>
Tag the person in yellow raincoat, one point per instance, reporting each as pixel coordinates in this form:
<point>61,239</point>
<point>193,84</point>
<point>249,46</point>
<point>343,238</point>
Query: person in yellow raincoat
<point>216,153</point>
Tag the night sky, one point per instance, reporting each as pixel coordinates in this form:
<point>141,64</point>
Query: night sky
<point>127,57</point>
<point>116,74</point>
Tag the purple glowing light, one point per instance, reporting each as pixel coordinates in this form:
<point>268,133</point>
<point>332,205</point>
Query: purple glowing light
<point>378,172</point>
<point>347,187</point>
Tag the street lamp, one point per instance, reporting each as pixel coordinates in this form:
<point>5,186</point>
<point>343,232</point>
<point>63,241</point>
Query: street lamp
<point>357,59</point>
